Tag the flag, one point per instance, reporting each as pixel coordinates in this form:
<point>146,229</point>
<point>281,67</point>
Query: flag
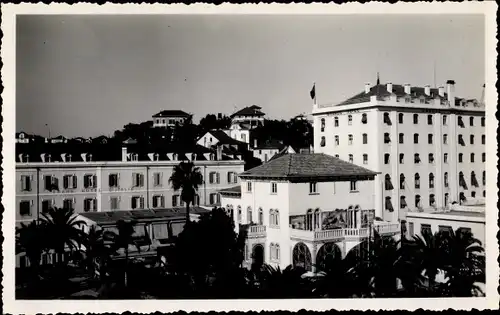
<point>313,92</point>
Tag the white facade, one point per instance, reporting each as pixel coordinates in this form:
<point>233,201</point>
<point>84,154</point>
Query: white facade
<point>238,133</point>
<point>273,206</point>
<point>164,122</point>
<point>362,128</point>
<point>103,186</point>
<point>265,154</point>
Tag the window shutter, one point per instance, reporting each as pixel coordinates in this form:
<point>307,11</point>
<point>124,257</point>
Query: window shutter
<point>94,181</point>
<point>86,181</point>
<point>65,181</point>
<point>218,177</point>
<point>228,177</point>
<point>141,180</point>
<point>141,200</point>
<point>134,180</point>
<point>133,203</point>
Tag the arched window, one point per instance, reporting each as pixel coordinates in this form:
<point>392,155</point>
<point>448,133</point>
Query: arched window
<point>473,194</point>
<point>431,158</point>
<point>415,138</point>
<point>416,158</point>
<point>431,180</point>
<point>277,218</point>
<point>317,219</point>
<point>239,214</point>
<point>401,181</point>
<point>402,202</point>
<point>322,124</point>
<point>471,121</point>
<point>323,141</point>
<point>336,121</point>
<point>460,157</point>
<point>401,138</point>
<point>349,139</point>
<point>483,157</point>
<point>471,139</point>
<point>483,120</point>
<point>387,119</point>
<point>364,118</point>
<point>417,181</point>
<point>401,117</point>
<point>472,157</point>
<point>432,200</point>
<point>417,201</point>
<point>415,119</point>
<point>388,183</point>
<point>483,139</point>
<point>349,120</point>
<point>309,219</point>
<point>446,179</point>
<point>387,138</point>
<point>365,138</point>
<point>484,178</point>
<point>249,215</point>
<point>261,216</point>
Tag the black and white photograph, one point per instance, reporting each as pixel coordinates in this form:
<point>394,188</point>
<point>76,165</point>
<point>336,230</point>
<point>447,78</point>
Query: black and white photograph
<point>224,157</point>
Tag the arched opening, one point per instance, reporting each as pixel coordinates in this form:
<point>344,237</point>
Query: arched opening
<point>358,252</point>
<point>257,257</point>
<point>309,219</point>
<point>301,257</point>
<point>317,221</point>
<point>326,255</point>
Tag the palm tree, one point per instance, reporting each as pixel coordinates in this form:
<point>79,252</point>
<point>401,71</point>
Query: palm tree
<point>464,263</point>
<point>96,252</point>
<point>30,241</point>
<point>186,177</point>
<point>287,283</point>
<point>123,239</point>
<point>63,230</point>
<point>334,279</point>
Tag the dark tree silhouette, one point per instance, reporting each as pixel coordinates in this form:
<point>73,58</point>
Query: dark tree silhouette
<point>187,178</point>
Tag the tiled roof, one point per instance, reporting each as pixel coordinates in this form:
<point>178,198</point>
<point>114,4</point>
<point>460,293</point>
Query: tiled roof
<point>253,110</point>
<point>100,152</point>
<point>235,190</point>
<point>308,166</point>
<point>172,113</point>
<point>224,138</point>
<point>111,217</point>
<point>380,90</point>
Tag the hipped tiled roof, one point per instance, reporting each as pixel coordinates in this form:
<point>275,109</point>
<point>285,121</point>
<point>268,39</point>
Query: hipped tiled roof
<point>224,138</point>
<point>307,166</point>
<point>253,110</point>
<point>171,113</point>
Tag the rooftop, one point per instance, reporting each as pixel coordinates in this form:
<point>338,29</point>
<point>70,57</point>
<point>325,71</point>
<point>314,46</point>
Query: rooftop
<point>310,166</point>
<point>172,113</point>
<point>272,144</point>
<point>224,138</point>
<point>235,190</point>
<point>253,110</point>
<point>111,217</point>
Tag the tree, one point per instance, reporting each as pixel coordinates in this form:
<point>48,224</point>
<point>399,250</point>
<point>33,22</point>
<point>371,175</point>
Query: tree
<point>287,283</point>
<point>30,241</point>
<point>96,252</point>
<point>212,122</point>
<point>63,231</point>
<point>335,279</point>
<point>123,239</point>
<point>186,177</point>
<point>210,253</point>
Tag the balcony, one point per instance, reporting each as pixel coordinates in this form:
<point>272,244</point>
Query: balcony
<point>342,234</point>
<point>256,231</point>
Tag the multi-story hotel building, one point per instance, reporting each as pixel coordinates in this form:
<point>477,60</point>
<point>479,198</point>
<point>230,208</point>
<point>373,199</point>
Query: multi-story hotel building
<point>93,178</point>
<point>427,145</point>
<point>301,208</point>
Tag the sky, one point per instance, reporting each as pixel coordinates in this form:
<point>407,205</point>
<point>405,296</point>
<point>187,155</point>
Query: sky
<point>91,75</point>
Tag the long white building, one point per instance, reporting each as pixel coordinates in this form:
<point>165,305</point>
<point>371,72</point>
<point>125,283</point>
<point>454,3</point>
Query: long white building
<point>428,145</point>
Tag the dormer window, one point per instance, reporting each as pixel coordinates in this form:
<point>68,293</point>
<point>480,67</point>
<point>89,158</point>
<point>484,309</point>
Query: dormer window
<point>68,157</point>
<point>193,157</point>
<point>175,156</point>
<point>24,158</point>
<point>156,157</point>
<point>48,158</point>
<point>134,157</point>
<point>212,157</point>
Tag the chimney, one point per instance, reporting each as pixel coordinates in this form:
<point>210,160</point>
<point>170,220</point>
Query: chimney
<point>367,88</point>
<point>450,89</point>
<point>124,153</point>
<point>219,153</point>
<point>441,91</point>
<point>254,143</point>
<point>389,87</point>
<point>407,88</point>
<point>427,90</point>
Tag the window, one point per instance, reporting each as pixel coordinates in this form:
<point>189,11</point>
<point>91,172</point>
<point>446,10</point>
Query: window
<point>430,138</point>
<point>214,178</point>
<point>445,158</point>
<point>274,188</point>
<point>387,138</point>
<point>483,157</point>
<point>431,180</point>
<point>417,181</point>
<point>402,181</point>
<point>249,186</point>
<point>68,203</point>
<point>387,119</point>
<point>158,201</point>
<point>337,156</point>
<point>460,122</point>
<point>411,229</point>
<point>336,140</point>
<point>214,198</point>
<point>388,204</point>
<point>471,121</point>
<point>134,157</point>
<point>401,138</point>
<point>429,119</point>
<point>445,181</point>
<point>137,180</point>
<point>274,218</point>
<point>89,181</point>
<point>401,158</point>
<point>336,121</point>
<point>407,100</point>
<point>484,178</point>
<point>312,188</point>
<point>157,179</point>
<point>349,120</point>
<point>232,177</point>
<point>365,138</point>
<point>472,157</point>
<point>365,158</point>
<point>431,158</point>
<point>417,202</point>
<point>323,141</point>
<point>113,180</point>
<point>473,194</point>
<point>351,158</point>
<point>445,139</point>
<point>46,205</point>
<point>364,118</point>
<point>249,215</point>
<point>114,203</point>
<point>461,140</point>
<point>25,207</point>
<point>432,200</point>
<point>416,158</point>
<point>51,183</point>
<point>89,204</point>
<point>261,216</point>
<point>415,119</point>
<point>25,182</point>
<point>353,186</point>
<point>349,139</point>
<point>483,139</point>
<point>445,230</point>
<point>400,118</point>
<point>445,120</point>
<point>460,158</point>
<point>415,138</point>
<point>471,139</point>
<point>174,200</point>
<point>322,124</point>
<point>388,182</point>
<point>387,158</point>
<point>483,122</point>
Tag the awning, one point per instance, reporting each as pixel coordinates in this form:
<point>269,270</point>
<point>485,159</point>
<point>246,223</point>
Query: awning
<point>462,183</point>
<point>461,122</point>
<point>388,204</point>
<point>474,181</point>
<point>388,184</point>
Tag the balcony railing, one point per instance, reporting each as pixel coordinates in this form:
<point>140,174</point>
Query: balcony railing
<point>341,234</point>
<point>388,228</point>
<point>256,231</point>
